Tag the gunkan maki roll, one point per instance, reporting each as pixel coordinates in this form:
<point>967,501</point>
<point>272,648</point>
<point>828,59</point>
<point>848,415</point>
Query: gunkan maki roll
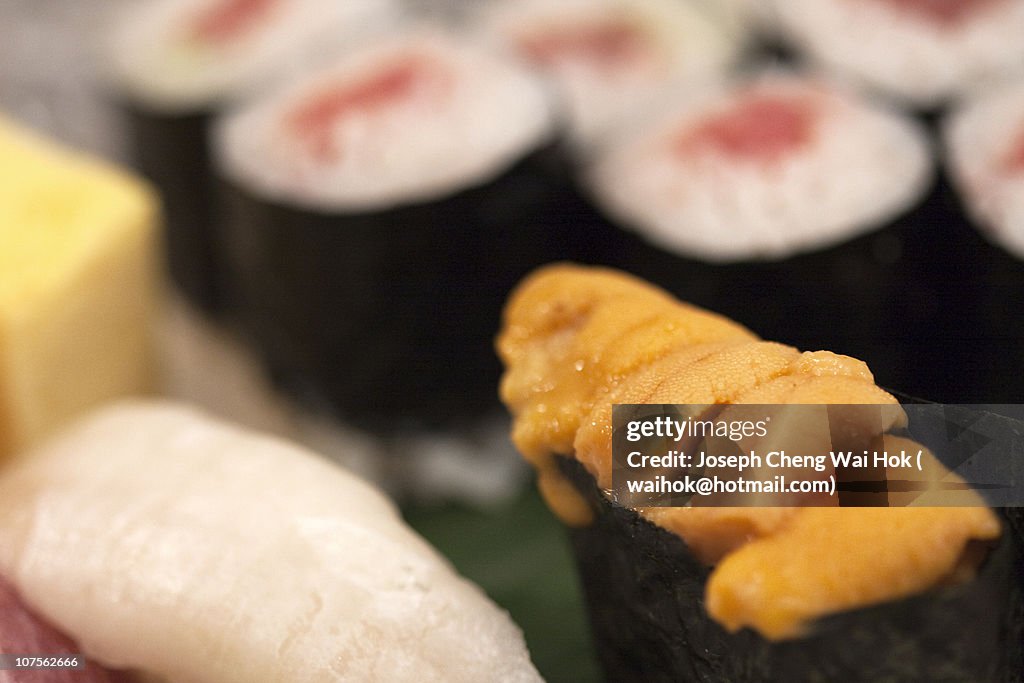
<point>921,51</point>
<point>985,154</point>
<point>735,594</point>
<point>764,196</point>
<point>378,211</point>
<point>611,59</point>
<point>175,63</point>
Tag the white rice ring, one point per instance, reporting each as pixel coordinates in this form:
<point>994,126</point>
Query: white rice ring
<point>490,113</point>
<point>861,165</point>
<point>917,59</point>
<point>981,138</point>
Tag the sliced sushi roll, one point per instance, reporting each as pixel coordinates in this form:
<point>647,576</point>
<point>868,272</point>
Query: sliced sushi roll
<point>921,51</point>
<point>173,64</point>
<point>763,168</point>
<point>377,214</point>
<point>768,193</point>
<point>168,543</point>
<point>702,593</point>
<point>611,59</point>
<point>985,156</point>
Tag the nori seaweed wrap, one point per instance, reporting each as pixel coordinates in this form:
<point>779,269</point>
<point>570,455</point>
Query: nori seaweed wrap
<point>175,64</point>
<point>378,212</point>
<point>172,151</point>
<point>985,156</point>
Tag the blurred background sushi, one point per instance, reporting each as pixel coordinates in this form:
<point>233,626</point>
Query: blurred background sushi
<point>174,65</point>
<point>781,199</point>
<point>336,196</point>
<point>984,155</point>
<point>377,211</point>
<point>923,53</point>
<point>610,59</point>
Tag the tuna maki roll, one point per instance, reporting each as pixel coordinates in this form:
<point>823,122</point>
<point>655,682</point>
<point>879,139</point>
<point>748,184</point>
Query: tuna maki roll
<point>175,63</point>
<point>921,51</point>
<point>611,59</point>
<point>768,193</point>
<point>736,594</point>
<point>985,154</point>
<point>378,211</point>
<point>699,180</point>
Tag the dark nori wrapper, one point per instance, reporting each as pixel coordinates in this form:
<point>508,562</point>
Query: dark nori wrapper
<point>903,298</point>
<point>172,150</point>
<point>935,315</point>
<point>645,595</point>
<point>1002,326</point>
<point>975,289</point>
<point>387,318</point>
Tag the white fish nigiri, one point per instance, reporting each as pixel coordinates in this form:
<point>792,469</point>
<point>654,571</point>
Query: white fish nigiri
<point>165,542</point>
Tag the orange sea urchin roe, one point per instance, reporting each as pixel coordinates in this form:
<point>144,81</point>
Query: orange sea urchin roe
<point>577,340</point>
<point>561,344</point>
<point>945,13</point>
<point>851,557</point>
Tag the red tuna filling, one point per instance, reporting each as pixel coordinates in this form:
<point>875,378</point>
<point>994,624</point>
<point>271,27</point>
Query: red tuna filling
<point>1013,163</point>
<point>228,20</point>
<point>762,128</point>
<point>23,633</point>
<point>605,43</point>
<point>946,13</point>
<point>402,80</point>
